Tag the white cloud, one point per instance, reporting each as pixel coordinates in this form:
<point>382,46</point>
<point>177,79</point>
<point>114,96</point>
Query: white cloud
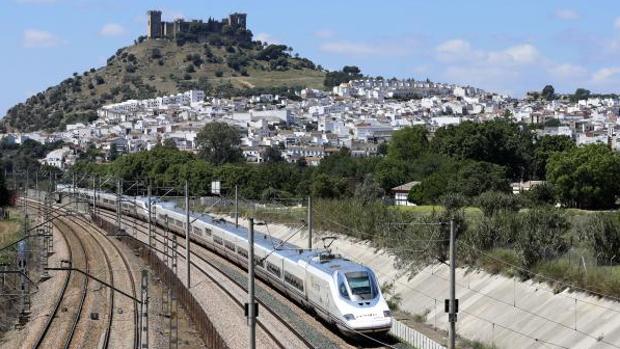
<point>112,29</point>
<point>519,54</point>
<point>324,33</point>
<point>347,47</point>
<point>268,38</point>
<point>351,48</point>
<point>567,71</point>
<point>605,74</point>
<point>33,38</point>
<point>617,23</point>
<point>456,50</point>
<point>566,14</point>
<point>459,50</point>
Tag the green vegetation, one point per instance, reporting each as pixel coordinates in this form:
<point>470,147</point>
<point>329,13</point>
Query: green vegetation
<point>158,67</point>
<point>4,193</point>
<point>219,143</point>
<point>24,156</point>
<point>586,177</point>
<point>347,74</point>
<point>519,235</point>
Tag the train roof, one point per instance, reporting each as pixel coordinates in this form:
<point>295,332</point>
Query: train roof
<point>292,252</point>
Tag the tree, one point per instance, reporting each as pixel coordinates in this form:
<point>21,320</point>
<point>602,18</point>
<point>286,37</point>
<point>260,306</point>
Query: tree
<point>170,143</point>
<point>4,193</point>
<point>499,141</point>
<point>113,154</point>
<point>586,177</point>
<point>324,186</point>
<point>408,143</point>
<point>544,148</point>
<point>580,93</point>
<point>548,93</point>
<point>368,191</point>
<point>347,74</point>
<point>219,143</point>
<point>272,154</point>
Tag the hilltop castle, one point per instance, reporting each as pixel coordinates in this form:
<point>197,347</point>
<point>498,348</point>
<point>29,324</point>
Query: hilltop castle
<point>156,28</point>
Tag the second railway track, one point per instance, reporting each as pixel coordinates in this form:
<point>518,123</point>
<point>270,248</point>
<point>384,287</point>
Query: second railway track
<point>82,332</point>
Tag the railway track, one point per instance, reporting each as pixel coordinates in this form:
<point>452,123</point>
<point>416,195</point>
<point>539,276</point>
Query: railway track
<point>206,256</point>
<point>65,301</point>
<point>104,246</point>
<point>98,238</point>
<point>235,299</point>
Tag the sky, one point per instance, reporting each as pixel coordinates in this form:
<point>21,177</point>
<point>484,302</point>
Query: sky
<point>506,46</point>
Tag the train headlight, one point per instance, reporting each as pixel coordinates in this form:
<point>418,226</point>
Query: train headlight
<point>387,313</point>
<point>349,317</point>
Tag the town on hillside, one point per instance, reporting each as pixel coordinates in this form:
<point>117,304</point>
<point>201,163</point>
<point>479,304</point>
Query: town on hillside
<point>359,115</point>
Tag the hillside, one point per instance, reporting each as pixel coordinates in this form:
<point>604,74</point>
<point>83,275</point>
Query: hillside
<point>158,67</point>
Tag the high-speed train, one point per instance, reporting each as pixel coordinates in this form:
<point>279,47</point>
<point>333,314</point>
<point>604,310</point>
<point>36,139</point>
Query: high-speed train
<point>340,291</point>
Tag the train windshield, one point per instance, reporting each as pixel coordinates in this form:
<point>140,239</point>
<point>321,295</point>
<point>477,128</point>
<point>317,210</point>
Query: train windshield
<point>362,285</point>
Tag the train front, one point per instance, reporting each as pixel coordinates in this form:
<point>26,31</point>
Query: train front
<point>360,303</point>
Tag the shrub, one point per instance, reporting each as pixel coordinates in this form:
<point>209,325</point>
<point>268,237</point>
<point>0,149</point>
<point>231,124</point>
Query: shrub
<point>491,202</point>
<point>542,236</point>
<point>541,194</point>
<point>602,233</point>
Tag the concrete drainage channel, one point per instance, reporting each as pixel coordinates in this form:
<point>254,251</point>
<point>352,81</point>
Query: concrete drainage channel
<point>208,333</point>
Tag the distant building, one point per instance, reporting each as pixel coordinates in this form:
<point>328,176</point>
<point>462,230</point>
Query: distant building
<point>156,28</point>
<point>519,187</point>
<point>401,192</point>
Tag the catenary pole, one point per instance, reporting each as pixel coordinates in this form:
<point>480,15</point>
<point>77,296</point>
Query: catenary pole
<point>452,304</point>
<point>251,306</point>
<point>187,231</point>
<point>236,206</point>
<point>310,222</point>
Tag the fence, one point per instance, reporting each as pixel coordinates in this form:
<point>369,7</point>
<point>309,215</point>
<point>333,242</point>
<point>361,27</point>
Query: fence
<point>413,337</point>
<point>207,331</point>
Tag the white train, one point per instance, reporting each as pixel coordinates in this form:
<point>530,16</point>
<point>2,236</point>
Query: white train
<point>342,292</point>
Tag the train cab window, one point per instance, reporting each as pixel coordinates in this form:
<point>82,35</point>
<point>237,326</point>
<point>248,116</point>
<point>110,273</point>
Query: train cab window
<point>362,285</point>
<point>342,287</point>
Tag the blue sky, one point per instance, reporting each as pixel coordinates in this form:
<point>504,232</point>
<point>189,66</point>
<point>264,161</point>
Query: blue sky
<point>503,46</point>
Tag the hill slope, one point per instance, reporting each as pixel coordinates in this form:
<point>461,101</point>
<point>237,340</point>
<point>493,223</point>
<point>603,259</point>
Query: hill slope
<point>159,67</point>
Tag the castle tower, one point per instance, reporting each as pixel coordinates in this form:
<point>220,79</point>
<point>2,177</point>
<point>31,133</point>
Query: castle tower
<point>153,26</point>
<point>237,20</point>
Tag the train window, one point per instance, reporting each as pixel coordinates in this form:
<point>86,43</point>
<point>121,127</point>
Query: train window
<point>197,230</point>
<point>229,245</point>
<point>218,240</point>
<point>361,284</point>
<point>259,262</point>
<point>294,281</point>
<point>208,231</point>
<point>242,252</point>
<point>275,270</point>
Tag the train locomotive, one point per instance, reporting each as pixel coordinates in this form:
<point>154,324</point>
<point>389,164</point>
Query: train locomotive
<point>342,292</point>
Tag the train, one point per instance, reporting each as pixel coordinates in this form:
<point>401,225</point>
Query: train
<point>340,291</point>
